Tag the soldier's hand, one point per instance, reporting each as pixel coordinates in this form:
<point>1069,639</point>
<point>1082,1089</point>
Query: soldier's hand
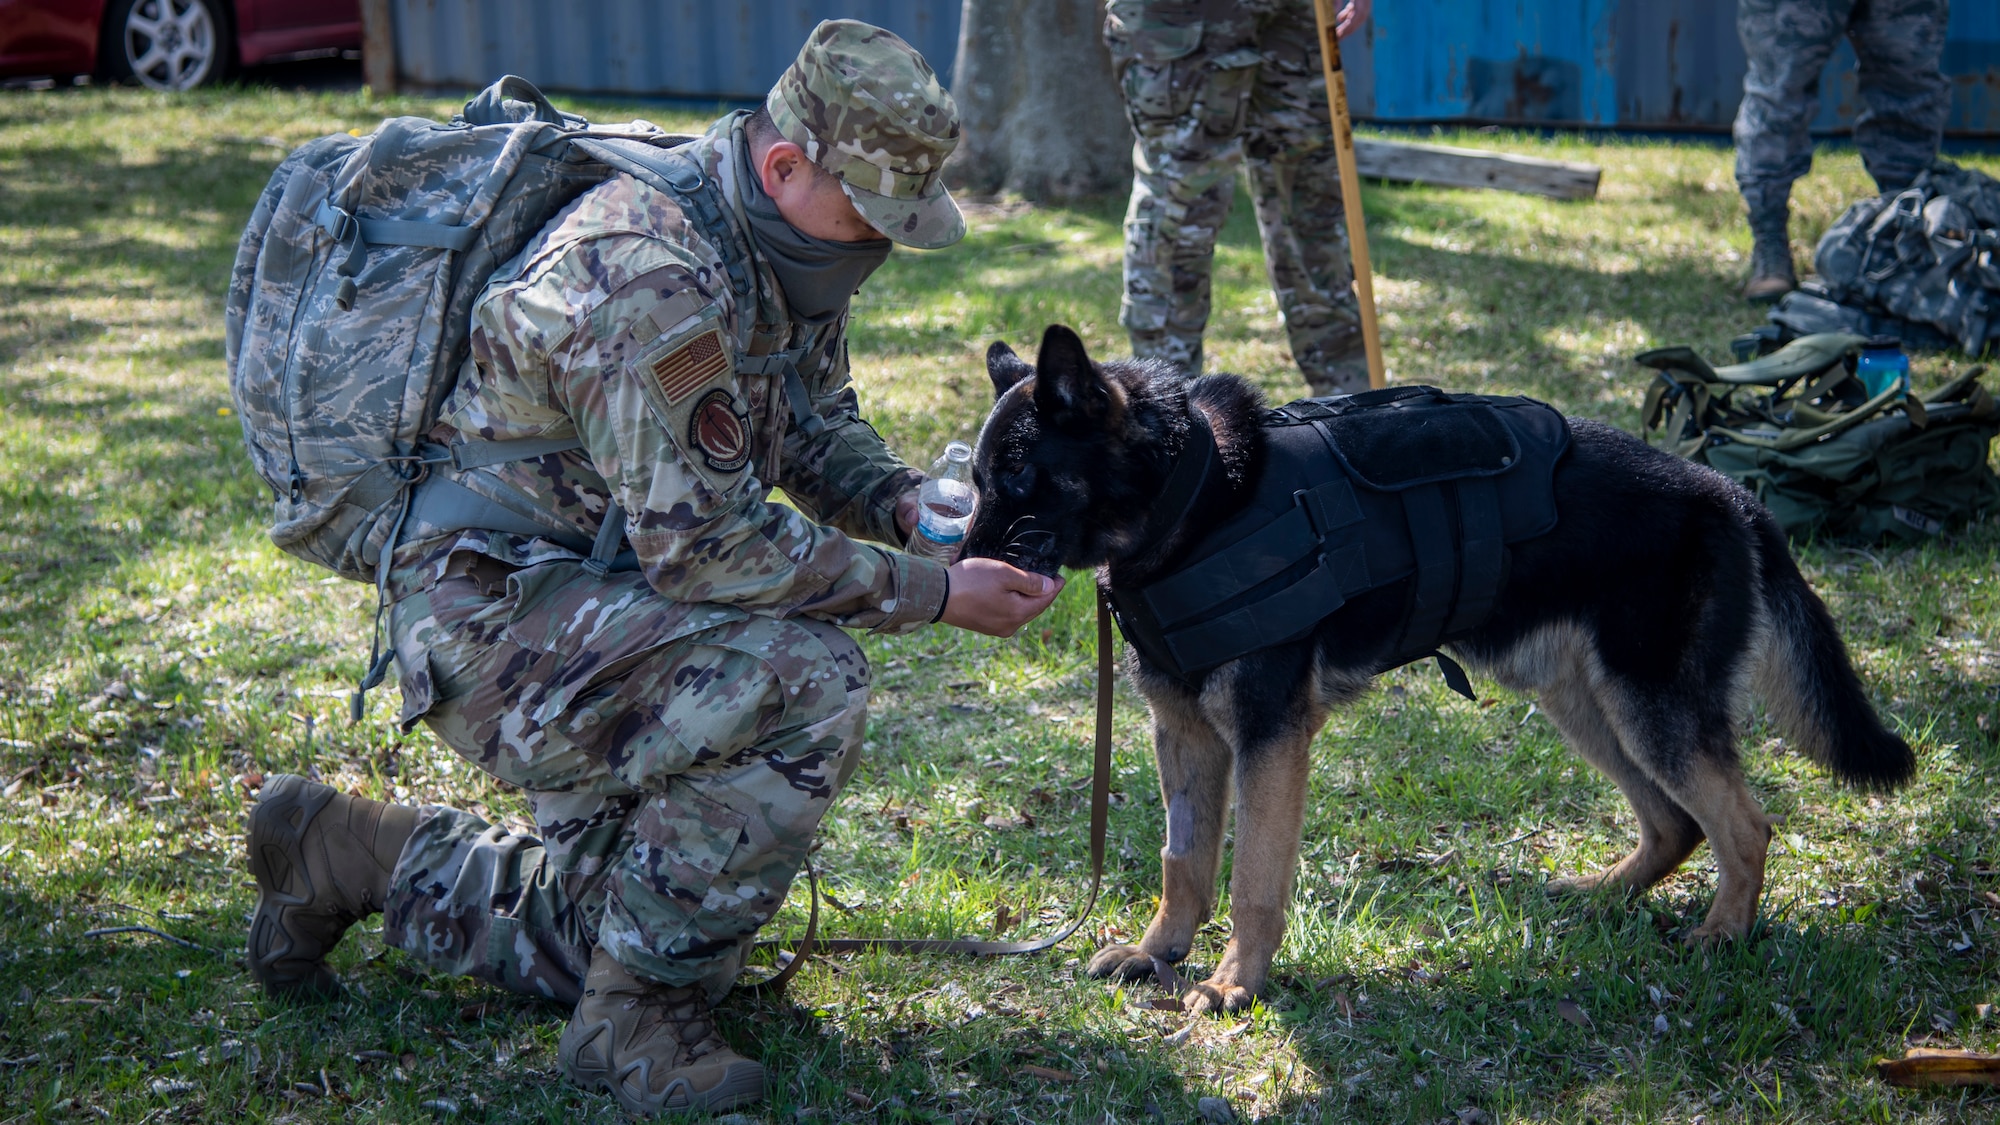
<point>1352,15</point>
<point>992,597</point>
<point>906,513</point>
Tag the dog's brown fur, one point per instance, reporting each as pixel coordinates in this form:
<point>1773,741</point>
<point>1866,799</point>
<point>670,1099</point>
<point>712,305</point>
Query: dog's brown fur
<point>1646,543</point>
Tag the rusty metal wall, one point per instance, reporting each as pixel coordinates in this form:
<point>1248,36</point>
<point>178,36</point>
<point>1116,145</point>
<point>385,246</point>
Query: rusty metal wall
<point>1634,64</point>
<point>650,48</point>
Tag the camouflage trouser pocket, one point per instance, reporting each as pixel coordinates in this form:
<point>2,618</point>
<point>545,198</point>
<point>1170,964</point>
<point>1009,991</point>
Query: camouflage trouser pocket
<point>683,841</point>
<point>1150,57</point>
<point>1224,103</point>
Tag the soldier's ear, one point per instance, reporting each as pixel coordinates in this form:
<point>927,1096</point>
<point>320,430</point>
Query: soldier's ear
<point>1005,368</point>
<point>1070,392</point>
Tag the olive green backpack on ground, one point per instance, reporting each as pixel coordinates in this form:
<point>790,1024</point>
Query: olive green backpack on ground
<point>1799,430</point>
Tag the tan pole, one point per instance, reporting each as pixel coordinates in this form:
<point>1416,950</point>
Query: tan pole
<point>1350,187</point>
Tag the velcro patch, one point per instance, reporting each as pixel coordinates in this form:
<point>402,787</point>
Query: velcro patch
<point>689,367</point>
<point>719,432</point>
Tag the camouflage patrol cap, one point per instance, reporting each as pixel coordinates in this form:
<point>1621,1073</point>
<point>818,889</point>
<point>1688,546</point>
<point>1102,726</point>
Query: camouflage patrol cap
<point>865,106</point>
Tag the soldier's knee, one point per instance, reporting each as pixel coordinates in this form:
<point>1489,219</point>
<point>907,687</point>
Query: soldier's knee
<point>845,658</point>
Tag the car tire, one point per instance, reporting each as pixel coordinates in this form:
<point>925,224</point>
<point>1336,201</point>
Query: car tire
<point>166,44</point>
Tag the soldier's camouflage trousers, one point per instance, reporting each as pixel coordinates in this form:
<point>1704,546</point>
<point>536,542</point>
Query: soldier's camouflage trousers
<point>676,781</point>
<point>1905,98</point>
<point>1204,97</point>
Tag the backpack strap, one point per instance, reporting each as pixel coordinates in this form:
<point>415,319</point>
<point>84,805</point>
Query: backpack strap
<point>785,364</point>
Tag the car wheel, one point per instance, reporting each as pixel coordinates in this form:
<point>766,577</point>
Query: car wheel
<point>166,44</point>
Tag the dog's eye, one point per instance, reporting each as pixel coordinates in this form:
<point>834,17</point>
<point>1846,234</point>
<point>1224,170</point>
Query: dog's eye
<point>1019,482</point>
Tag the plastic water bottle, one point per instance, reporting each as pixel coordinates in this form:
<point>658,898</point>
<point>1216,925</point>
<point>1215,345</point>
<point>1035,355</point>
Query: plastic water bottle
<point>1883,365</point>
<point>944,506</point>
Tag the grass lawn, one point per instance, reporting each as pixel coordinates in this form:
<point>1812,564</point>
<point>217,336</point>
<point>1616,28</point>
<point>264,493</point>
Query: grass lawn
<point>157,655</point>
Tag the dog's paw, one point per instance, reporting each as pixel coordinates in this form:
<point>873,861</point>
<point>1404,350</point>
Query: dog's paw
<point>1713,932</point>
<point>1217,996</point>
<point>1123,962</point>
<point>1578,884</point>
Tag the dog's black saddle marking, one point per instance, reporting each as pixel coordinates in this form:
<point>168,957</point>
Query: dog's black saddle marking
<point>1358,492</point>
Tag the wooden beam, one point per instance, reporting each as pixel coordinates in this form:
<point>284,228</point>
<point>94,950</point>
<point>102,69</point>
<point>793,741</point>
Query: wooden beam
<point>1475,168</point>
<point>378,46</point>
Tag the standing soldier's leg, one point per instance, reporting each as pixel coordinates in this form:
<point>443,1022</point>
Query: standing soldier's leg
<point>1186,88</point>
<point>1897,44</point>
<point>1295,182</point>
<point>1787,43</point>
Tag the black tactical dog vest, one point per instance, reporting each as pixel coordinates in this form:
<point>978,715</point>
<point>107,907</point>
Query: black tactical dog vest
<point>1357,492</point>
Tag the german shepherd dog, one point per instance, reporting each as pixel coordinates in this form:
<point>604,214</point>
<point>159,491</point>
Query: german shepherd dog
<point>1663,596</point>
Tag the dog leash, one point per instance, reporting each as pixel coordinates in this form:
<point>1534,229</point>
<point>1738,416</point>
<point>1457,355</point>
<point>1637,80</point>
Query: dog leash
<point>1100,805</point>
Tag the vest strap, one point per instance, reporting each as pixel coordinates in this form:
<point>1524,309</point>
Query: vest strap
<point>1482,553</point>
<point>1430,525</point>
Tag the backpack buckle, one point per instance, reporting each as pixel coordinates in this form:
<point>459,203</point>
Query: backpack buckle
<point>334,221</point>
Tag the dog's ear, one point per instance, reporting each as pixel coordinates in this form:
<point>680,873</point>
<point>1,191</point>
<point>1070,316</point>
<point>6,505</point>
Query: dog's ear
<point>1005,368</point>
<point>1069,390</point>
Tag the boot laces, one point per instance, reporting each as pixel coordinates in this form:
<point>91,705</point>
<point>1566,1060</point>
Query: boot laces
<point>683,1014</point>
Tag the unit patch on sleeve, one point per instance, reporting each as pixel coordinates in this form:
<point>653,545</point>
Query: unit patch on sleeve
<point>719,432</point>
<point>691,366</point>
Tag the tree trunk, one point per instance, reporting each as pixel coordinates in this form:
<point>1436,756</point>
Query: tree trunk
<point>1041,114</point>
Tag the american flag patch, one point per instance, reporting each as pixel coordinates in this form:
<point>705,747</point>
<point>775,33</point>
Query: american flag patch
<point>691,366</point>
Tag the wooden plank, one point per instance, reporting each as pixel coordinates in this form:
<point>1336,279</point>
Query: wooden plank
<point>1475,168</point>
<point>378,46</point>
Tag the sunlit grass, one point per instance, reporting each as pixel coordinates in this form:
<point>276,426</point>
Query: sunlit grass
<point>156,654</point>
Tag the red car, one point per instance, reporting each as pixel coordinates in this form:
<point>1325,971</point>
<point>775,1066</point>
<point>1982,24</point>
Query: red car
<point>168,44</point>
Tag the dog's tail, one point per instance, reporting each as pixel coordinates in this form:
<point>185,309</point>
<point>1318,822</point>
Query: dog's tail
<point>1808,685</point>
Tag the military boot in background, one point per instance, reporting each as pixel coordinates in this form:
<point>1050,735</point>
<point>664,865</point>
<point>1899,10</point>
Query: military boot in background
<point>322,859</point>
<point>1771,275</point>
<point>653,1046</point>
<point>1344,373</point>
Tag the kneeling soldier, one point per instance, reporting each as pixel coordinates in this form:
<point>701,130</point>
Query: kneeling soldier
<point>679,723</point>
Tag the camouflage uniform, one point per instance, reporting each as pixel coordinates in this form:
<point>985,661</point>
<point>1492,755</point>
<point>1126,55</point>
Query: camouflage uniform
<point>1897,44</point>
<point>1207,84</point>
<point>681,727</point>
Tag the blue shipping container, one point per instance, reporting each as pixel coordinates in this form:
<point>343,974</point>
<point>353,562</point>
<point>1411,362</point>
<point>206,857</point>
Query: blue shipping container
<point>1636,64</point>
<point>649,48</point>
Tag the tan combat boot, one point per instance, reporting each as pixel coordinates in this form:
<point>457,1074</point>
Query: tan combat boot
<point>1771,274</point>
<point>322,860</point>
<point>653,1046</point>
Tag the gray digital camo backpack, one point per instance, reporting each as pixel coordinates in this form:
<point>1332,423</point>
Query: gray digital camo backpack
<point>349,313</point>
<point>1928,256</point>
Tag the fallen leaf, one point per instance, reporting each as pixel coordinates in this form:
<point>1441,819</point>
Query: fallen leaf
<point>1925,1066</point>
<point>1004,918</point>
<point>1346,1005</point>
<point>409,1059</point>
<point>474,1012</point>
<point>1048,1073</point>
<point>1166,1004</point>
<point>1570,1011</point>
<point>443,1107</point>
<point>859,1100</point>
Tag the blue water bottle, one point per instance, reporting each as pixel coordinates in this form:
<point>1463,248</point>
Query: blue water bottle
<point>1883,365</point>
